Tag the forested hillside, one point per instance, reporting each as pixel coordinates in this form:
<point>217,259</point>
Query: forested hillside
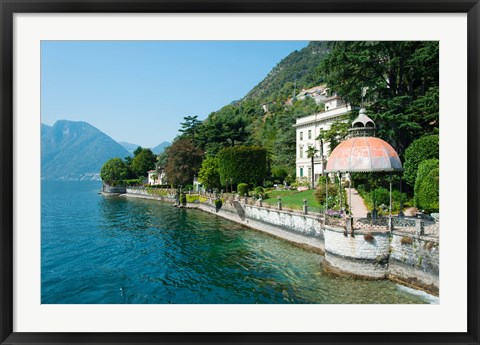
<point>397,82</point>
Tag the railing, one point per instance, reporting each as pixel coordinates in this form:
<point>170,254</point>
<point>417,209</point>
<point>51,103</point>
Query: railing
<point>419,227</point>
<point>372,224</point>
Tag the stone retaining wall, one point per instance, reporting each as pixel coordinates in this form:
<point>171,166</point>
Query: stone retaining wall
<point>114,189</point>
<point>306,225</point>
<point>355,255</point>
<point>415,261</point>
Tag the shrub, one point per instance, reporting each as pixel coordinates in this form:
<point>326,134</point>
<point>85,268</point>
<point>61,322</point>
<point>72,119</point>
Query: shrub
<point>242,189</point>
<point>382,197</point>
<point>320,194</point>
<point>268,184</point>
<point>133,182</point>
<point>218,203</point>
<point>406,240</point>
<point>183,199</point>
<point>426,147</point>
<point>427,186</point>
<point>368,237</point>
<point>192,198</point>
<point>259,192</point>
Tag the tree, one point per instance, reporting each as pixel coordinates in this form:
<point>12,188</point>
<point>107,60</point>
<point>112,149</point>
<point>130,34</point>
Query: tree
<point>311,151</point>
<point>143,161</point>
<point>137,151</point>
<point>427,186</point>
<point>402,81</point>
<point>184,161</point>
<point>424,148</point>
<point>208,174</point>
<point>242,164</point>
<point>220,131</point>
<point>114,171</point>
<point>190,126</point>
<point>335,134</point>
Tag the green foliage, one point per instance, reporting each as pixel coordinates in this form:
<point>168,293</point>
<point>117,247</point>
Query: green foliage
<point>242,189</point>
<point>402,80</point>
<point>222,129</point>
<point>279,174</point>
<point>143,161</point>
<point>114,172</point>
<point>299,67</point>
<point>426,190</point>
<point>183,199</point>
<point>208,174</point>
<point>190,126</point>
<point>426,147</point>
<point>320,194</point>
<point>259,192</point>
<point>192,198</point>
<point>163,158</point>
<point>381,197</point>
<point>133,182</point>
<point>218,203</point>
<point>184,161</point>
<point>334,135</point>
<point>242,164</point>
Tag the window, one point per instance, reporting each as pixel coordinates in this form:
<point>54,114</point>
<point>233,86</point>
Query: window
<point>301,135</point>
<point>309,134</point>
<point>301,172</point>
<point>301,152</point>
<point>309,172</point>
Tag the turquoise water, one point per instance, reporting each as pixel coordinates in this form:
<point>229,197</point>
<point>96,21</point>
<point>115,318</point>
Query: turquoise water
<point>98,249</point>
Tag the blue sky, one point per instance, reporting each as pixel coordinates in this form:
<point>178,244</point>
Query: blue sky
<point>139,91</point>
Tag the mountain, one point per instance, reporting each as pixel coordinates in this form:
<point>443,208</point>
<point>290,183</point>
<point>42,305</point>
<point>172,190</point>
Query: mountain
<point>160,147</point>
<point>128,146</point>
<point>297,70</point>
<point>76,151</point>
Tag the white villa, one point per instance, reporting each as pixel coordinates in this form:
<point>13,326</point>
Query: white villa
<point>157,177</point>
<point>309,128</point>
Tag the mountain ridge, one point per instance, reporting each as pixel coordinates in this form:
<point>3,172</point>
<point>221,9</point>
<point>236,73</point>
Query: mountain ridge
<point>76,150</point>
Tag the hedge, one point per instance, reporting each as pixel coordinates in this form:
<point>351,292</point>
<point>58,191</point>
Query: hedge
<point>426,191</point>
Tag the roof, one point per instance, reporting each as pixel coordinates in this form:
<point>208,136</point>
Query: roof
<point>363,154</point>
<point>363,120</point>
<point>331,98</point>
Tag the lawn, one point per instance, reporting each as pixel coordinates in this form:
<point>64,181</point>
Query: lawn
<point>292,199</point>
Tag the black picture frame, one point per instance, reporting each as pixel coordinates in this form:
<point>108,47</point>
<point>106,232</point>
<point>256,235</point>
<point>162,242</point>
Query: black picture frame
<point>9,8</point>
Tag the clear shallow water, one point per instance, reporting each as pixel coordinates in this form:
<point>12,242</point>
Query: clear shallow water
<point>98,249</point>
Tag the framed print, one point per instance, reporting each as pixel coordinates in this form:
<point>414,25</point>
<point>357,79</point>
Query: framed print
<point>239,172</point>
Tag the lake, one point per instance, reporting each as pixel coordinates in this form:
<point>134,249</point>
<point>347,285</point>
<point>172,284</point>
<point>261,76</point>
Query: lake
<point>116,250</point>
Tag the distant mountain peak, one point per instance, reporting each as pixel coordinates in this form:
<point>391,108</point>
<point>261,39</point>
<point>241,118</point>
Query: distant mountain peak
<point>76,150</point>
<point>160,147</point>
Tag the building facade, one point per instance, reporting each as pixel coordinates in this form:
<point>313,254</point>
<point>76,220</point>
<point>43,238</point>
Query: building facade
<point>308,129</point>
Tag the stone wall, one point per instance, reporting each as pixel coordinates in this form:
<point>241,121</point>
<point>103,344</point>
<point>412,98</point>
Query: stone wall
<point>356,254</point>
<point>306,225</point>
<point>414,261</point>
<point>114,189</point>
<point>144,194</point>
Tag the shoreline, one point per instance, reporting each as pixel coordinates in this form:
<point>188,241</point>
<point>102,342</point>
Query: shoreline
<point>307,243</point>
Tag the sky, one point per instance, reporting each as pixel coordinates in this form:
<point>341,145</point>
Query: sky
<point>140,91</point>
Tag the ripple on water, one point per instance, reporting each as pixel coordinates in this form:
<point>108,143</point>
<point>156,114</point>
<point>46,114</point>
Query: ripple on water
<point>119,250</point>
